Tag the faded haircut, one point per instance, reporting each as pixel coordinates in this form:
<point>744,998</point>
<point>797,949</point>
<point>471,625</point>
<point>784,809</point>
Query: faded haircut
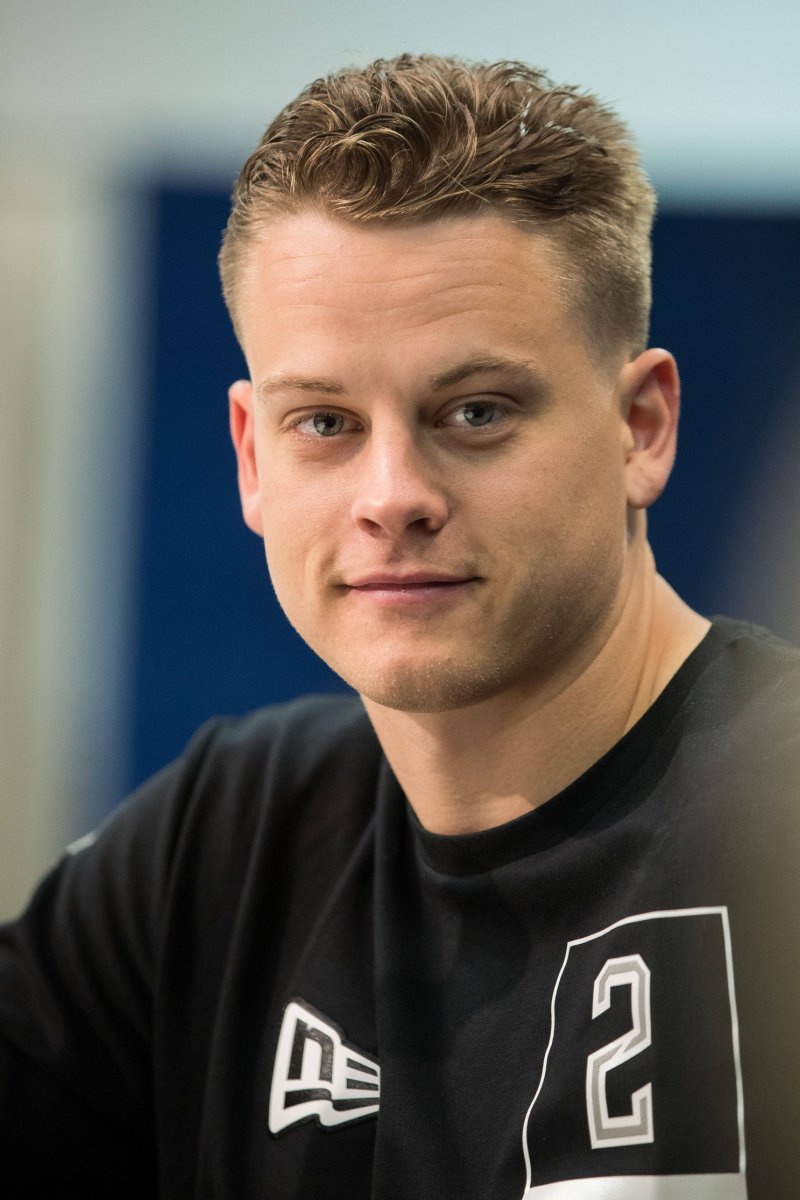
<point>421,137</point>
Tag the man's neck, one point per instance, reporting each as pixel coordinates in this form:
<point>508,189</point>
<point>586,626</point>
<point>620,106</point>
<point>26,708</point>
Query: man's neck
<point>478,767</point>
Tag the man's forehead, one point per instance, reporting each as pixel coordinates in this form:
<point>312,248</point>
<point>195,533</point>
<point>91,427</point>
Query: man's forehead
<point>469,280</point>
<point>301,247</point>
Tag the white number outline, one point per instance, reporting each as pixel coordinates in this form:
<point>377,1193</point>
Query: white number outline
<point>636,1127</point>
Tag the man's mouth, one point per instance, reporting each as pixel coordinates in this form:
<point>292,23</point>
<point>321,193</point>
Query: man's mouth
<point>414,579</point>
<point>415,587</point>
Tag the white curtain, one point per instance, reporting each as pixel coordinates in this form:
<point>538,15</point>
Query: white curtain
<point>66,468</point>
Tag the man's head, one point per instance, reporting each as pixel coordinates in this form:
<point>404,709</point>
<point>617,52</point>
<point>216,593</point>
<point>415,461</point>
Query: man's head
<point>416,138</point>
<point>447,441</point>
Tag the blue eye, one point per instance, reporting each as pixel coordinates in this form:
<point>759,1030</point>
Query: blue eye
<point>479,414</point>
<point>476,415</point>
<point>324,424</point>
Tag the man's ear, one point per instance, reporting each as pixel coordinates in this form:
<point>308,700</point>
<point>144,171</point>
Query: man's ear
<point>649,390</point>
<point>242,421</point>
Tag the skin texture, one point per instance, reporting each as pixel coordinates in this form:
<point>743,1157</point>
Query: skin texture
<point>471,558</point>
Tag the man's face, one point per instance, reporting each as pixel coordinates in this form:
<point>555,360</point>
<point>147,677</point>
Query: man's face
<point>434,458</point>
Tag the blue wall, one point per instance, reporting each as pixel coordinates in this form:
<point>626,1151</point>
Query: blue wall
<point>210,637</point>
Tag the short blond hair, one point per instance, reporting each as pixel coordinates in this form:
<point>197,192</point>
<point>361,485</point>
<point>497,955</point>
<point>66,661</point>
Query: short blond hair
<point>418,137</point>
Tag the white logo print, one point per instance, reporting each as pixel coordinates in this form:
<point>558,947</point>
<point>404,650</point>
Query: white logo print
<point>317,1074</point>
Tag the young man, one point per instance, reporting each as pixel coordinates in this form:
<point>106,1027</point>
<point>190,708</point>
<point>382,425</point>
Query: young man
<point>518,922</point>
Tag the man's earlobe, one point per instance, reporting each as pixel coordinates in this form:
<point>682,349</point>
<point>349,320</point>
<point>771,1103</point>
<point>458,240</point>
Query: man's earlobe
<point>650,395</point>
<point>242,424</point>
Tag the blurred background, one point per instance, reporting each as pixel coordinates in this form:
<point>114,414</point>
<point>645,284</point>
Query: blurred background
<point>133,602</point>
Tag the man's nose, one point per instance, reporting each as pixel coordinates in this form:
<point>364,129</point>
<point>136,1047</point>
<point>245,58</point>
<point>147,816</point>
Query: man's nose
<point>398,488</point>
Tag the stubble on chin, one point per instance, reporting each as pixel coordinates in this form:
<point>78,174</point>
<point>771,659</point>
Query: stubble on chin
<point>430,689</point>
<point>440,684</point>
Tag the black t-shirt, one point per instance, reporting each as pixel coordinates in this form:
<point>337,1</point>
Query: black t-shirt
<point>264,978</point>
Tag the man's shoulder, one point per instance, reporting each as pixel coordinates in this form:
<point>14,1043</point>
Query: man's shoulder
<point>304,745</point>
<point>730,717</point>
<point>268,778</point>
<point>753,670</point>
<point>314,724</point>
<point>739,715</point>
<point>756,639</point>
<point>298,778</point>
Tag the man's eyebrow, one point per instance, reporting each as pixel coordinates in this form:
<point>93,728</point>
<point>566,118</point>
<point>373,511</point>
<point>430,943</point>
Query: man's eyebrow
<point>297,383</point>
<point>520,367</point>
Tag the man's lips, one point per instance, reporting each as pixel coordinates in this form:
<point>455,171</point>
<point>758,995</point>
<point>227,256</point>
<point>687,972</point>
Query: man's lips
<point>417,579</point>
<point>416,590</point>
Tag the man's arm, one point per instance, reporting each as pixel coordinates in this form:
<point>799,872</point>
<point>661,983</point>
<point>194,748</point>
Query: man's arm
<point>77,974</point>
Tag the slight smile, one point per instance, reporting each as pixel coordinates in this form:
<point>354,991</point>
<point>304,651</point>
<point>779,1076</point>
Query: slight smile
<point>415,589</point>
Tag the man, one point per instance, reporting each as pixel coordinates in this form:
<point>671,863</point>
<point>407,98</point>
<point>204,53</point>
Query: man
<point>516,922</point>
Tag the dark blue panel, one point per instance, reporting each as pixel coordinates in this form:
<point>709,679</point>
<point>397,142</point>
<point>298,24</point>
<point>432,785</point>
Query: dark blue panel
<point>210,635</point>
<point>726,302</point>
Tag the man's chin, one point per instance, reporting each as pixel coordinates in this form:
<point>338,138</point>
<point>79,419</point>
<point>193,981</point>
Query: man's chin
<point>432,688</point>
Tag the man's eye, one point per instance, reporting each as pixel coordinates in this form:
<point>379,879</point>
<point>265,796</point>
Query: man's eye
<point>321,424</point>
<point>475,415</point>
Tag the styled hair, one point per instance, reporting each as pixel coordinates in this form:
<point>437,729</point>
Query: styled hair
<point>419,137</point>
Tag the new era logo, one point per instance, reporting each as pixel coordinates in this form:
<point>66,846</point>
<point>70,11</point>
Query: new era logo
<point>319,1075</point>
